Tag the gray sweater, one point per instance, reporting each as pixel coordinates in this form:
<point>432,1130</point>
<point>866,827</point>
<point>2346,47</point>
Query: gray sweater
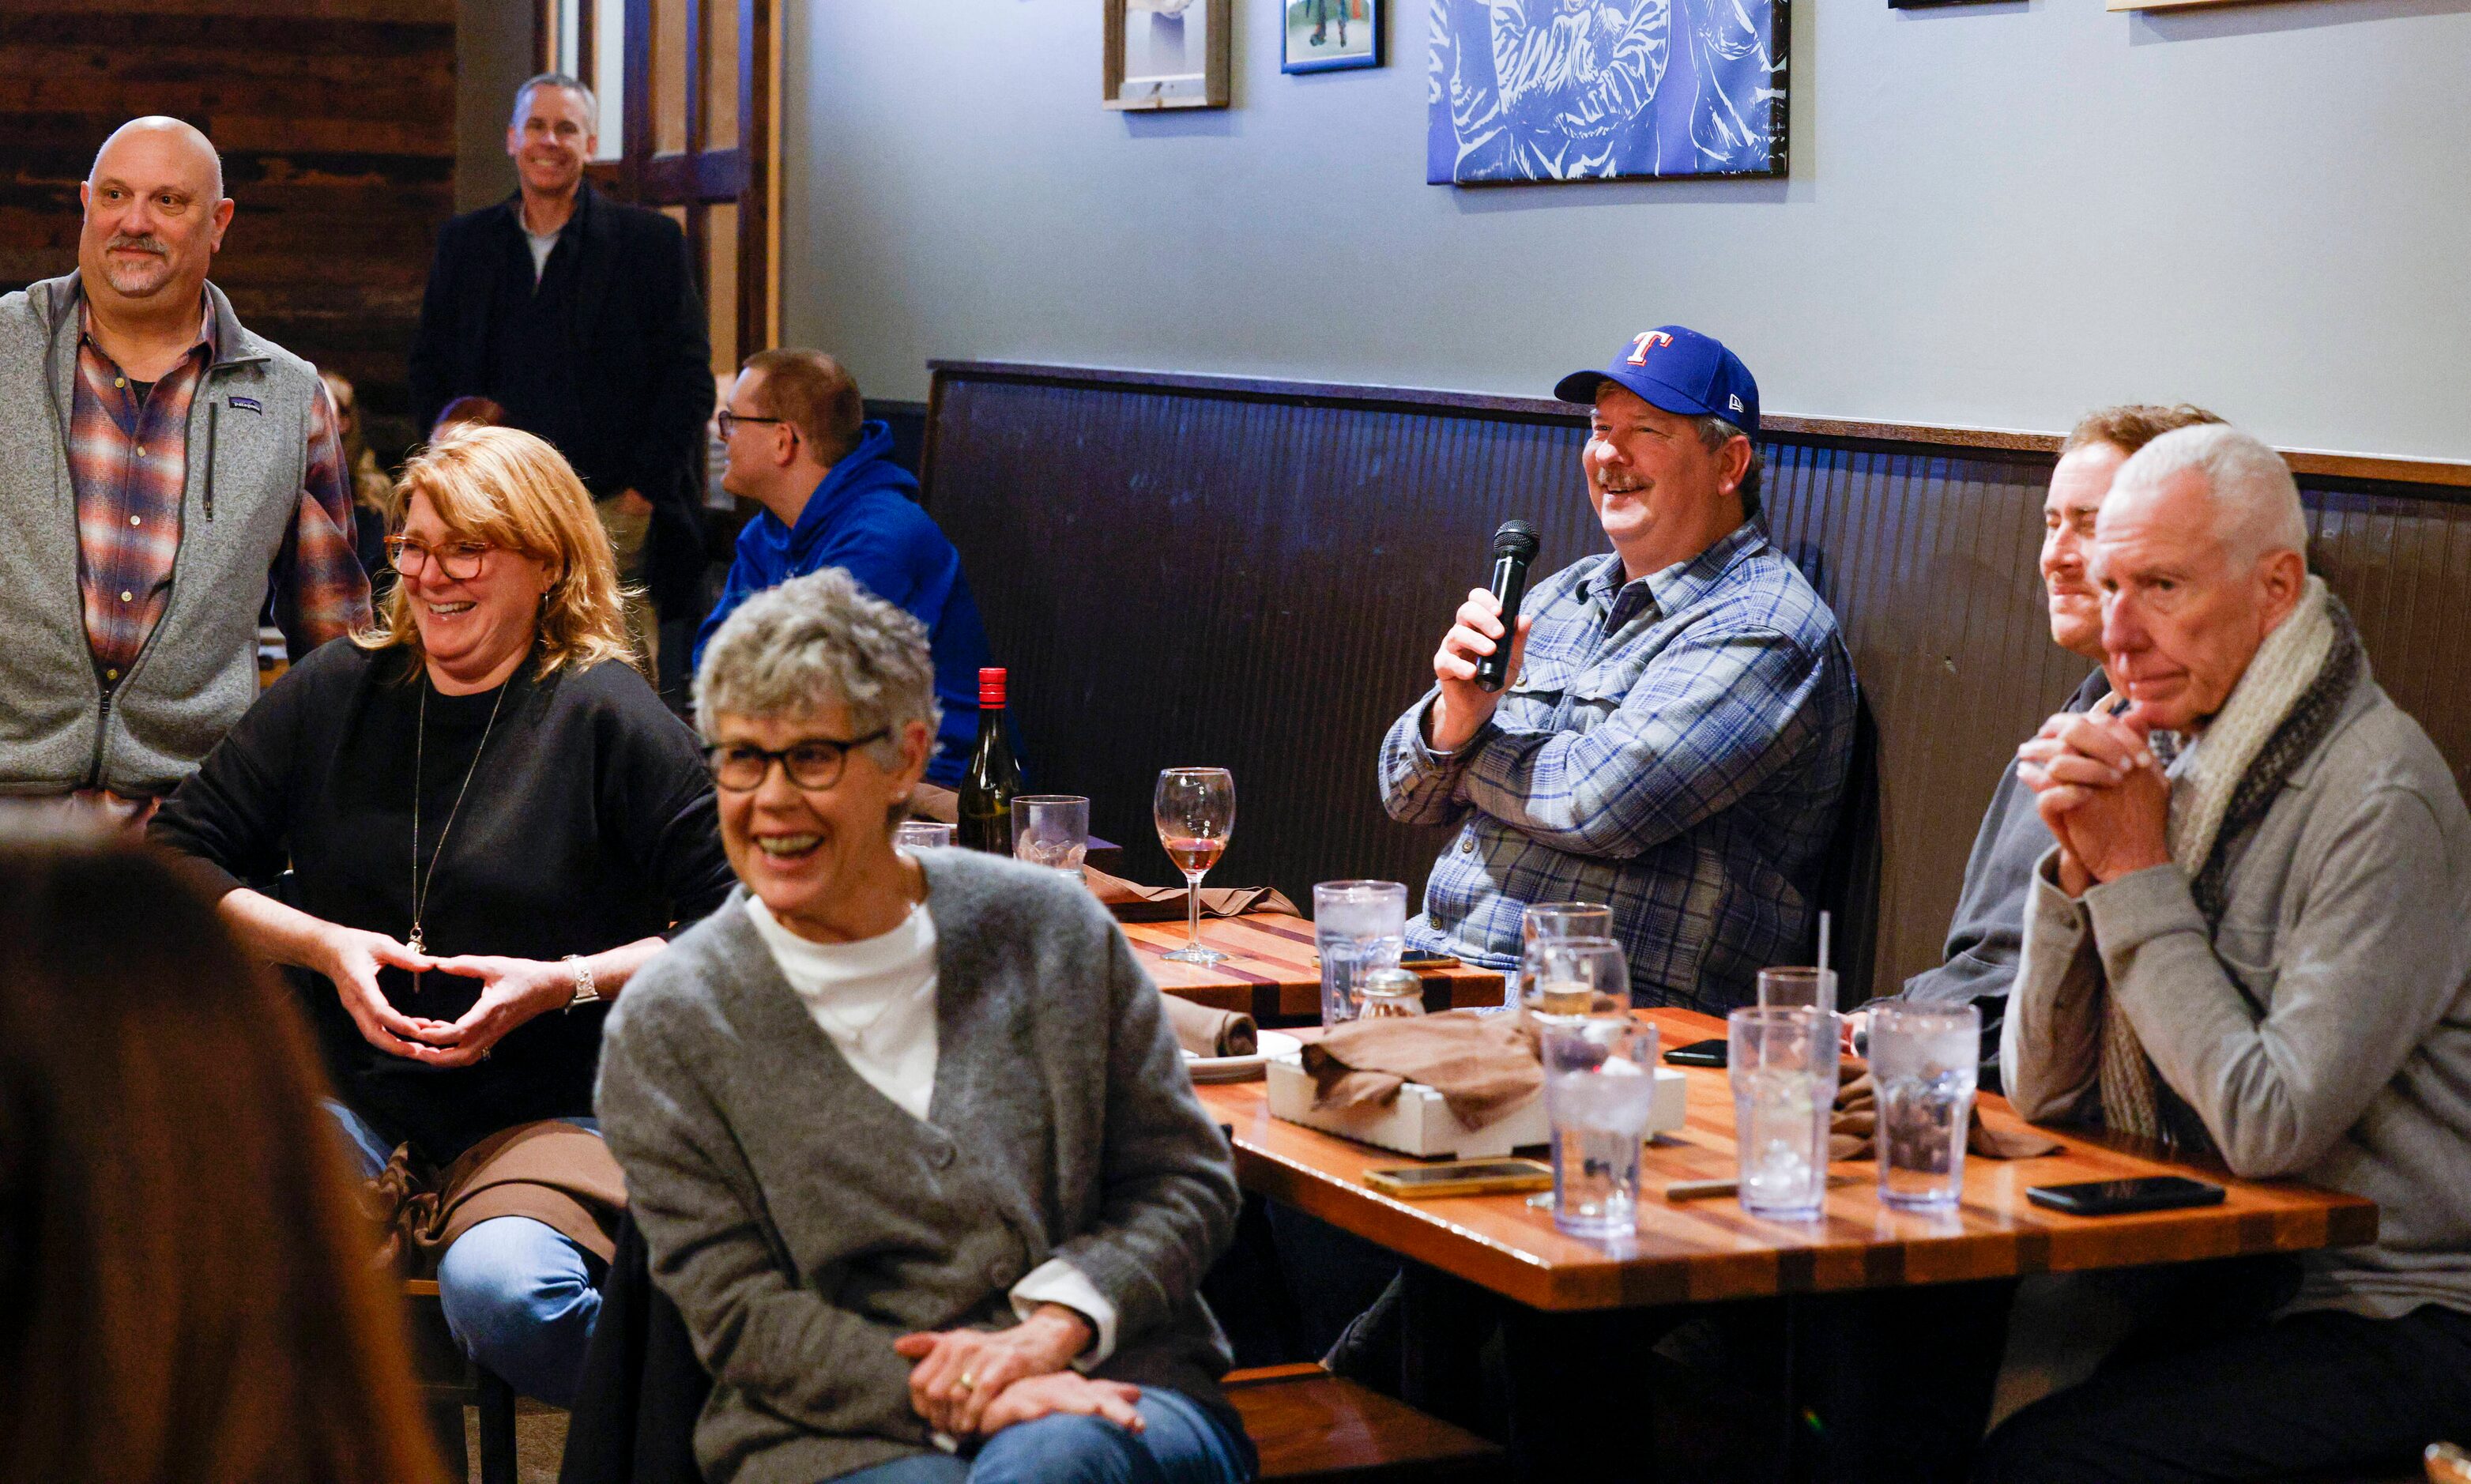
<point>2323,1031</point>
<point>249,451</point>
<point>801,1221</point>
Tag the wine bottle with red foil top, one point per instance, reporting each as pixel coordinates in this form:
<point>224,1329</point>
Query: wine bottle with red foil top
<point>988,788</point>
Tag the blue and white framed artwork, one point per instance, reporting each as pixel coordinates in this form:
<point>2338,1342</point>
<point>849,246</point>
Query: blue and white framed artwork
<point>1526,91</point>
<point>1328,35</point>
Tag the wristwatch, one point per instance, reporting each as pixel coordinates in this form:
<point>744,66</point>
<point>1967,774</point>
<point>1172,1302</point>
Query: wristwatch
<point>585,993</point>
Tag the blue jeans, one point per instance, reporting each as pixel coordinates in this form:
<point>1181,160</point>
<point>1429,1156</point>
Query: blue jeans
<point>1182,1444</point>
<point>520,1298</point>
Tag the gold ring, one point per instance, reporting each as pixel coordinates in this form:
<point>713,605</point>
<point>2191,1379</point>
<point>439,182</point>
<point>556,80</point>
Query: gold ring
<point>967,1382</point>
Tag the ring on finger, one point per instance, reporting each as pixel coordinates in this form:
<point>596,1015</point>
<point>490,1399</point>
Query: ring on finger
<point>967,1382</point>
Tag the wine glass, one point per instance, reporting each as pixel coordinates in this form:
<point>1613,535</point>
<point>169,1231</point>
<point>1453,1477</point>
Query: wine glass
<point>1195,811</point>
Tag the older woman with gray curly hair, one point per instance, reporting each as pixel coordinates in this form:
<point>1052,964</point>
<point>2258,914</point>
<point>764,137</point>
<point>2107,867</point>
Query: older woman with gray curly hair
<point>907,1135</point>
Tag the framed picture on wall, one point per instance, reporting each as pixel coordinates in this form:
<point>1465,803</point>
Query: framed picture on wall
<point>1606,90</point>
<point>1330,36</point>
<point>1168,53</point>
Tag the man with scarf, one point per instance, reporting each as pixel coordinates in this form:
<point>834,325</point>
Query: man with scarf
<point>2252,941</point>
<point>798,443</point>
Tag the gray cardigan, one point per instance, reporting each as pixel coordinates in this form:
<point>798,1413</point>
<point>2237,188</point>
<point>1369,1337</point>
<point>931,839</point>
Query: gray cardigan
<point>2323,1031</point>
<point>249,452</point>
<point>801,1221</point>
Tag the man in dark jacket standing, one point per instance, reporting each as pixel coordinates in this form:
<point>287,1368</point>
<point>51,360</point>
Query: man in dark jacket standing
<point>579,314</point>
<point>799,445</point>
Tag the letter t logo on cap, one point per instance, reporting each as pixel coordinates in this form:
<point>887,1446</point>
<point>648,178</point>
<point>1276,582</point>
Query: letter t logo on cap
<point>1647,343</point>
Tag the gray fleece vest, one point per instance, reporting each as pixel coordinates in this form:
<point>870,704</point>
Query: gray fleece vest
<point>60,726</point>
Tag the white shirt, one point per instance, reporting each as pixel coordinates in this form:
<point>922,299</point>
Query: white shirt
<point>875,1000</point>
<point>542,243</point>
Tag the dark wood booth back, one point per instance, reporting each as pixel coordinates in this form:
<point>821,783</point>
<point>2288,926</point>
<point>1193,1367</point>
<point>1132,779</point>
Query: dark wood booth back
<point>1185,570</point>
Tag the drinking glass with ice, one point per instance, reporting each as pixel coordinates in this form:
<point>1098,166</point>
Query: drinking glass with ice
<point>1599,1092</point>
<point>1782,1066</point>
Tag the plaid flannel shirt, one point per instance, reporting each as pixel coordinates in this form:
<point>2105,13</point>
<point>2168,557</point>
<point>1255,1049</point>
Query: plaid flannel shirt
<point>128,462</point>
<point>1675,747</point>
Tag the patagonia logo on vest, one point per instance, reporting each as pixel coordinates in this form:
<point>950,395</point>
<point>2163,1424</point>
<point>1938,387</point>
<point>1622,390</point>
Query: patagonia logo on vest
<point>249,403</point>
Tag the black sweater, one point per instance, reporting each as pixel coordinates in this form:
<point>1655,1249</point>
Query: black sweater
<point>589,823</point>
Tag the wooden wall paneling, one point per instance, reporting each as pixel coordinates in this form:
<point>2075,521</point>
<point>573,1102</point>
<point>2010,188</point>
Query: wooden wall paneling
<point>335,121</point>
<point>1204,570</point>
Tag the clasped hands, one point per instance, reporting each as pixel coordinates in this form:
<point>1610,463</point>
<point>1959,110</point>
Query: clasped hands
<point>2101,792</point>
<point>974,1383</point>
<point>512,991</point>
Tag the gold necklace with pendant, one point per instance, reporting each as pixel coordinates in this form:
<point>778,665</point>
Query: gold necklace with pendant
<point>421,878</point>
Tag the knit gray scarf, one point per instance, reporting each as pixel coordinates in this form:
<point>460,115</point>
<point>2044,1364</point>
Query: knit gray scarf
<point>2221,789</point>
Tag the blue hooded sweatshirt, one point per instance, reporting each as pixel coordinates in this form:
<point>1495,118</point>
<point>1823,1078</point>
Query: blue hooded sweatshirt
<point>865,517</point>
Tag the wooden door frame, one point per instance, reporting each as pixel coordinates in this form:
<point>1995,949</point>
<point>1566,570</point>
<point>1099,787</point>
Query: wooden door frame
<point>746,175</point>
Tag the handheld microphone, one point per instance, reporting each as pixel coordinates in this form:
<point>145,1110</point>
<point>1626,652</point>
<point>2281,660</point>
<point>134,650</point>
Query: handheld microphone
<point>1513,547</point>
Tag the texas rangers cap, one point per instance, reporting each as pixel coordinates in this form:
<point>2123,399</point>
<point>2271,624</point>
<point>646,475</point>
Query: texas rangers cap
<point>1680,370</point>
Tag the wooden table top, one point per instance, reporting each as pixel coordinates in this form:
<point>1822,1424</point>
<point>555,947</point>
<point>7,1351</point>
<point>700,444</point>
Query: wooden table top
<point>1710,1249</point>
<point>1275,975</point>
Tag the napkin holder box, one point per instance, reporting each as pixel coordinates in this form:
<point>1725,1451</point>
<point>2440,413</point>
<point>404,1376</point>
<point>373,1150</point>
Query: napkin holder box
<point>1419,1123</point>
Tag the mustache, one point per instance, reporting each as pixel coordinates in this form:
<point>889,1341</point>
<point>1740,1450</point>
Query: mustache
<point>121,241</point>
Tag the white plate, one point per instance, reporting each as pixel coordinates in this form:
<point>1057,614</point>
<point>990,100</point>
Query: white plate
<point>1243,1069</point>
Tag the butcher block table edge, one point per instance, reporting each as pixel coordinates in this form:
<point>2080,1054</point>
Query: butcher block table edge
<point>1710,1250</point>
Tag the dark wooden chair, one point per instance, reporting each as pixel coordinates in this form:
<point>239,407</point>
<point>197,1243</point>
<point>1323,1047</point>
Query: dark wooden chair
<point>1310,1425</point>
<point>451,1381</point>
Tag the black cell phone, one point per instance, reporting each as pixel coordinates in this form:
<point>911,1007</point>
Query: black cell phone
<point>1418,957</point>
<point>1699,1053</point>
<point>2111,1197</point>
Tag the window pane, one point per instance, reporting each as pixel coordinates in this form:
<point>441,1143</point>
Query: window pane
<point>721,73</point>
<point>608,77</point>
<point>720,278</point>
<point>669,76</point>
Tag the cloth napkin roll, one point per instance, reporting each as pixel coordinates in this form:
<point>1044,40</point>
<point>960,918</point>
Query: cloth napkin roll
<point>1853,1133</point>
<point>1133,903</point>
<point>1483,1065</point>
<point>1207,1033</point>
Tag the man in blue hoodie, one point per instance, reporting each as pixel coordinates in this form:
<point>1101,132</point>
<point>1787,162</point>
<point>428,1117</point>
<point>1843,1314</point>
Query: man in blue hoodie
<point>832,497</point>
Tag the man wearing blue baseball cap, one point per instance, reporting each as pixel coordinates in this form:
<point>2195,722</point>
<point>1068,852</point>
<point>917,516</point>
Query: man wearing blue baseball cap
<point>1675,735</point>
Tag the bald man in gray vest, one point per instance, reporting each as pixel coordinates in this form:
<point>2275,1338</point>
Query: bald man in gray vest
<point>164,474</point>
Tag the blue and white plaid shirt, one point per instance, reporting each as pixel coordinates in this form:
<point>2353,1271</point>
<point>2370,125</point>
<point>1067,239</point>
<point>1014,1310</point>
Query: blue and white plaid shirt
<point>1675,747</point>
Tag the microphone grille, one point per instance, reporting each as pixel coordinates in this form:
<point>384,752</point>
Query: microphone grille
<point>1514,538</point>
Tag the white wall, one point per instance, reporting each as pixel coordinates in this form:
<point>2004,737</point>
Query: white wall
<point>1997,215</point>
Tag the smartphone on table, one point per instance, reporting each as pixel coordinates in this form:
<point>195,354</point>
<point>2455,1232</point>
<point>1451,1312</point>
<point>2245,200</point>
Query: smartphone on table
<point>1699,1053</point>
<point>1460,1177</point>
<point>2115,1197</point>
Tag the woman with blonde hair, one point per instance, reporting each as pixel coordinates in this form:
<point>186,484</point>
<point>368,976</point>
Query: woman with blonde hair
<point>185,1291</point>
<point>489,823</point>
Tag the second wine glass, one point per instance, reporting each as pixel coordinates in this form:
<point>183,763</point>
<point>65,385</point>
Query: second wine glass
<point>1194,809</point>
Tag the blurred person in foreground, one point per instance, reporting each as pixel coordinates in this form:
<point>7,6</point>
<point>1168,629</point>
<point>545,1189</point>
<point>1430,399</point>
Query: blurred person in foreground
<point>165,474</point>
<point>908,1137</point>
<point>1678,723</point>
<point>2252,941</point>
<point>466,832</point>
<point>1986,934</point>
<point>185,1293</point>
<point>797,442</point>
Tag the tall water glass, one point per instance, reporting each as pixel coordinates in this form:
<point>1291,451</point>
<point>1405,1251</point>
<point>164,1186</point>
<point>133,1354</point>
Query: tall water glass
<point>922,834</point>
<point>1809,989</point>
<point>1358,927</point>
<point>1554,920</point>
<point>1923,1061</point>
<point>1782,1065</point>
<point>1051,829</point>
<point>1599,1092</point>
<point>1564,977</point>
